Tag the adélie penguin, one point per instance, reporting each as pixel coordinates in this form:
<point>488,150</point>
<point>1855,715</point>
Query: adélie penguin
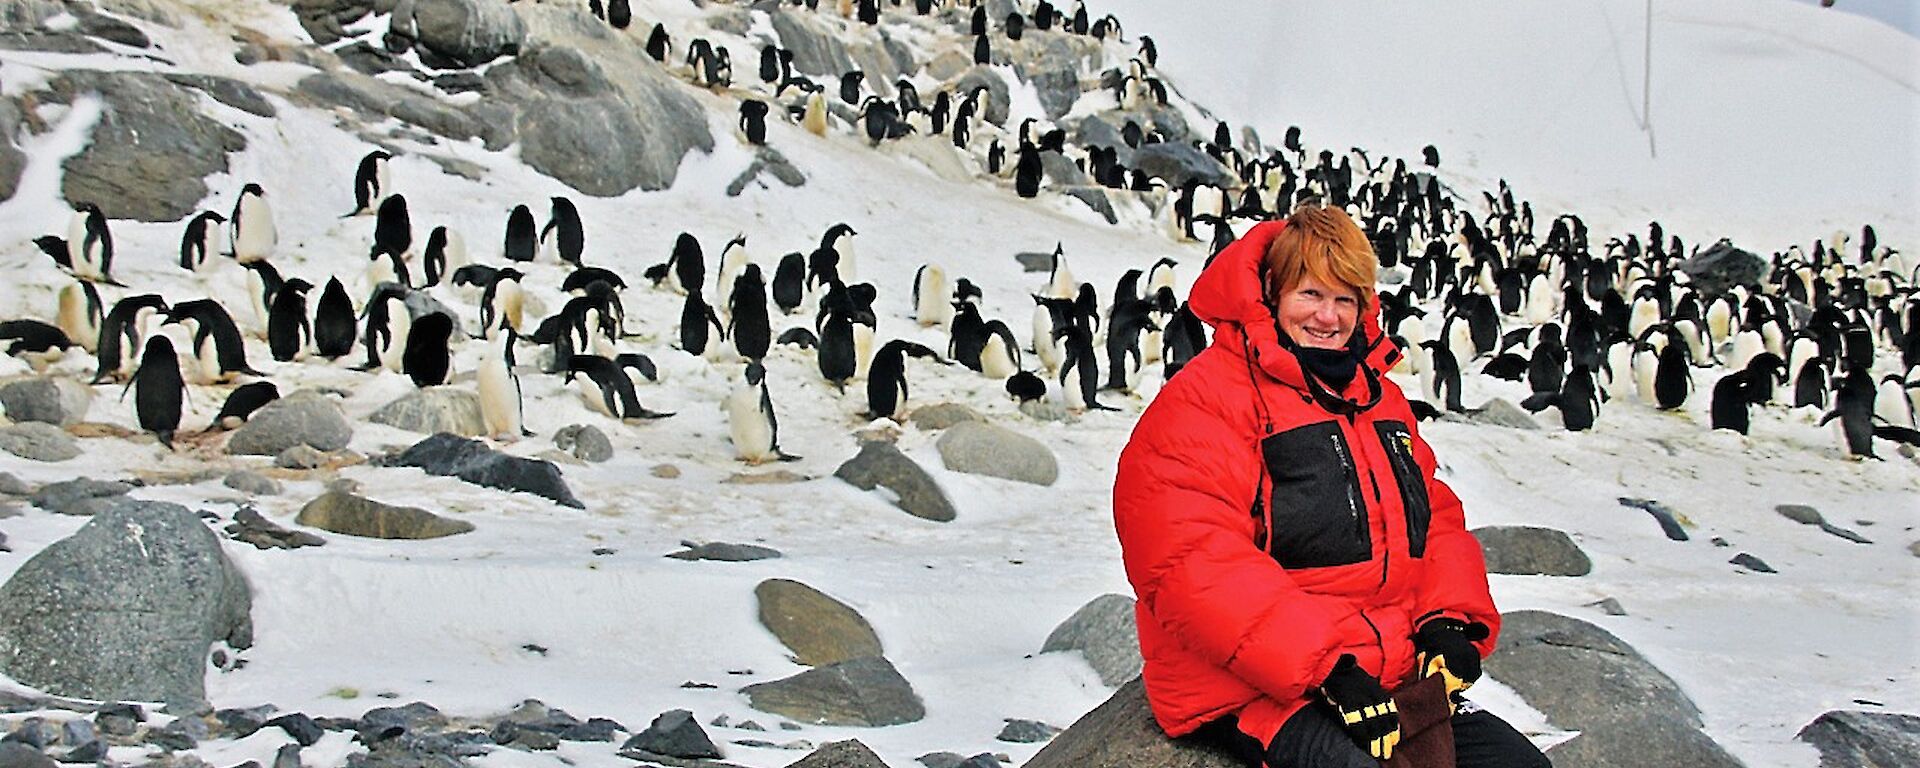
<point>78,313</point>
<point>289,330</point>
<point>158,390</point>
<point>606,388</point>
<point>333,321</point>
<point>499,387</point>
<point>1082,392</point>
<point>197,243</point>
<point>38,343</point>
<point>251,226</point>
<point>370,182</point>
<point>387,322</point>
<point>218,349</point>
<point>242,402</point>
<point>887,379</point>
<point>747,322</point>
<point>521,242</point>
<point>428,357</point>
<point>90,244</point>
<point>121,333</point>
<point>751,423</point>
<point>564,236</point>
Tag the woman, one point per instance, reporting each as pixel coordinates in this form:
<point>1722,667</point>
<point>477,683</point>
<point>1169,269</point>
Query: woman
<point>1294,556</point>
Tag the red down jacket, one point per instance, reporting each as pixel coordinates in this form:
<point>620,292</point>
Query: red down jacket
<point>1265,535</point>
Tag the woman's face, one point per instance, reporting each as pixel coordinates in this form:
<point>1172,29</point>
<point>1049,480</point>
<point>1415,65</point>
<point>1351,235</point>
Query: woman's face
<point>1315,314</point>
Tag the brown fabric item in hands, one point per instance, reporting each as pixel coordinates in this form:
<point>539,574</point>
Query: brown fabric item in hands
<point>1426,725</point>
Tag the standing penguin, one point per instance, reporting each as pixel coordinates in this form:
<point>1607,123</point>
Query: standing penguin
<point>333,321</point>
<point>197,242</point>
<point>789,282</point>
<point>1081,363</point>
<point>1853,407</point>
<point>78,313</point>
<point>839,239</point>
<point>1672,379</point>
<point>251,226</point>
<point>89,245</point>
<point>393,229</point>
<point>428,357</point>
<point>564,236</point>
<point>370,182</point>
<point>1027,170</point>
<point>158,390</point>
<point>838,354</point>
<point>687,265</point>
<point>750,421</point>
<point>1441,379</point>
<point>446,251</point>
<point>218,348</point>
<point>887,379</point>
<point>501,304</point>
<point>121,332</point>
<point>733,258</point>
<point>500,403</point>
<point>387,323</point>
<point>696,317</point>
<point>263,281</point>
<point>747,322</point>
<point>753,122</point>
<point>930,305</point>
<point>522,240</point>
<point>620,15</point>
<point>289,331</point>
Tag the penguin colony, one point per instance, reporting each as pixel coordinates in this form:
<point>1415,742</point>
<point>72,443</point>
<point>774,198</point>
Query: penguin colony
<point>1833,328</point>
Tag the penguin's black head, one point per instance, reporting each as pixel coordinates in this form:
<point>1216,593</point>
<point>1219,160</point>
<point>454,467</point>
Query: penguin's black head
<point>755,373</point>
<point>159,347</point>
<point>296,285</point>
<point>252,189</point>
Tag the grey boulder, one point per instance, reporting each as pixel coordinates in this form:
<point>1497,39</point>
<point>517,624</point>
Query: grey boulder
<point>1103,631</point>
<point>302,418</point>
<point>148,155</point>
<point>980,448</point>
<point>435,409</point>
<point>1522,550</point>
<point>880,465</point>
<point>585,441</point>
<point>466,33</point>
<point>866,692</point>
<point>125,608</point>
<point>840,754</point>
<point>938,416</point>
<point>1722,266</point>
<point>472,461</point>
<point>346,513</point>
<point>1583,678</point>
<point>1503,413</point>
<point>1179,162</point>
<point>80,496</point>
<point>1852,739</point>
<point>674,734</point>
<point>724,552</point>
<point>818,629</point>
<point>39,442</point>
<point>49,400</point>
<point>1121,733</point>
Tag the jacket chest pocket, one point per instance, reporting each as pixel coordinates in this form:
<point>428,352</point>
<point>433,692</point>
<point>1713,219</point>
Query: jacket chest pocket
<point>1398,443</point>
<point>1319,515</point>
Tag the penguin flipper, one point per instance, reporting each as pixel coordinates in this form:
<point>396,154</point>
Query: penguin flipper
<point>1830,416</point>
<point>1897,434</point>
<point>784,456</point>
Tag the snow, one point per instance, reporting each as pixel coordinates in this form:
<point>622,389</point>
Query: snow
<point>1753,144</point>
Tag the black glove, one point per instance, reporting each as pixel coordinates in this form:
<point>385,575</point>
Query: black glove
<point>1445,647</point>
<point>1365,709</point>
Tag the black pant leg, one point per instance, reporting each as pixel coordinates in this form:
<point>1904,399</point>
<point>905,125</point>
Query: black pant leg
<point>1311,738</point>
<point>1483,740</point>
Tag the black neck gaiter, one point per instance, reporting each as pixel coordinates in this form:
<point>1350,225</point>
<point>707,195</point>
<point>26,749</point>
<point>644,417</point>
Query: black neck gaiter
<point>1333,367</point>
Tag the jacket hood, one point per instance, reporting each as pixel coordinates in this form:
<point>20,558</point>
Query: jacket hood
<point>1228,297</point>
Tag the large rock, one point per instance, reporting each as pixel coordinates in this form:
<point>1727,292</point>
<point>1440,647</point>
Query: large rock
<point>1103,631</point>
<point>1522,550</point>
<point>435,409</point>
<point>472,461</point>
<point>1583,678</point>
<point>325,20</point>
<point>343,512</point>
<point>1121,733</point>
<point>995,104</point>
<point>600,134</point>
<point>302,418</point>
<point>378,100</point>
<point>980,448</point>
<point>233,93</point>
<point>1179,162</point>
<point>1722,266</point>
<point>1052,65</point>
<point>1852,739</point>
<point>58,401</point>
<point>818,629</point>
<point>818,50</point>
<point>13,162</point>
<point>914,491</point>
<point>81,496</point>
<point>125,608</point>
<point>866,691</point>
<point>467,33</point>
<point>675,734</point>
<point>840,754</point>
<point>39,442</point>
<point>150,151</point>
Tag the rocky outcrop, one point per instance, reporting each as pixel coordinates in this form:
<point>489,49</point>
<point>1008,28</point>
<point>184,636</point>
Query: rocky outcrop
<point>463,33</point>
<point>303,418</point>
<point>818,629</point>
<point>150,150</point>
<point>1583,678</point>
<point>1121,733</point>
<point>1852,739</point>
<point>1103,631</point>
<point>865,692</point>
<point>1522,550</point>
<point>881,465</point>
<point>13,162</point>
<point>125,608</point>
<point>343,512</point>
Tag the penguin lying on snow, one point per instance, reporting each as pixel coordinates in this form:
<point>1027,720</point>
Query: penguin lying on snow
<point>33,341</point>
<point>607,390</point>
<point>242,402</point>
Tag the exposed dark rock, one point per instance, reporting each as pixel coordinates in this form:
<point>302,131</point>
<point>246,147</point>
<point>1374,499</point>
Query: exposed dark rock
<point>250,527</point>
<point>841,754</point>
<point>1121,733</point>
<point>724,552</point>
<point>1852,739</point>
<point>818,629</point>
<point>1669,522</point>
<point>13,162</point>
<point>1096,199</point>
<point>126,607</point>
<point>1750,562</point>
<point>474,462</point>
<point>1583,678</point>
<point>1529,551</point>
<point>302,728</point>
<point>14,754</point>
<point>466,33</point>
<point>346,513</point>
<point>1501,412</point>
<point>675,734</point>
<point>766,160</point>
<point>325,20</point>
<point>914,491</point>
<point>150,151</point>
<point>1179,162</point>
<point>1103,631</point>
<point>1018,731</point>
<point>366,58</point>
<point>228,91</point>
<point>1805,515</point>
<point>866,691</point>
<point>379,100</point>
<point>1721,266</point>
<point>80,496</point>
<point>110,29</point>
